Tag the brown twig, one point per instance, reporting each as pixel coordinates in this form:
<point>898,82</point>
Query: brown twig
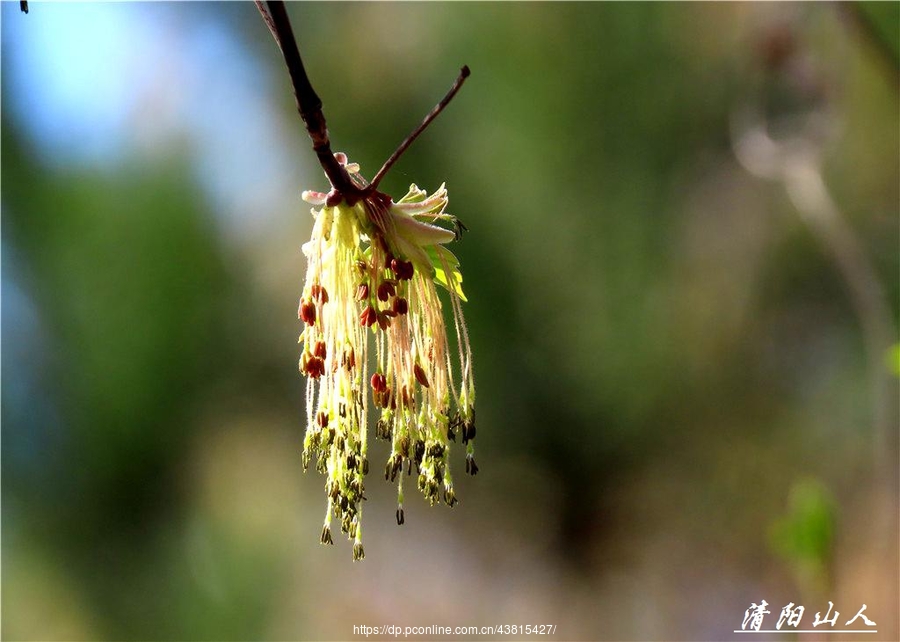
<point>309,105</point>
<point>261,7</point>
<point>308,102</point>
<point>463,74</point>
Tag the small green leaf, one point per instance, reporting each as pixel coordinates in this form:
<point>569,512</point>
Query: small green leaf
<point>442,258</point>
<point>893,359</point>
<point>414,195</point>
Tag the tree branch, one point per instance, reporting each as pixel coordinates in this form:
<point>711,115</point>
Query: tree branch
<point>310,107</point>
<point>463,74</point>
<point>308,103</point>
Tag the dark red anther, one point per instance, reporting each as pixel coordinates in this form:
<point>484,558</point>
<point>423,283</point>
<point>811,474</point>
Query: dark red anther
<point>383,320</point>
<point>420,375</point>
<point>362,292</point>
<point>385,291</point>
<point>379,383</point>
<point>384,399</point>
<point>400,305</point>
<point>322,418</point>
<point>314,367</point>
<point>403,269</point>
<point>317,292</point>
<point>320,349</point>
<point>307,312</point>
<point>368,316</point>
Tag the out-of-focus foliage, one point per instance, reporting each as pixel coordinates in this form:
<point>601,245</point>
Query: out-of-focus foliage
<point>882,19</point>
<point>805,535</point>
<point>893,359</point>
<point>675,404</point>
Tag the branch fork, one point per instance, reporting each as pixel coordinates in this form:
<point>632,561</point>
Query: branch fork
<point>343,187</point>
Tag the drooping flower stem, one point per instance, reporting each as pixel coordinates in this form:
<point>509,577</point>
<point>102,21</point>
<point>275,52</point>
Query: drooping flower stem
<point>374,267</point>
<point>374,270</point>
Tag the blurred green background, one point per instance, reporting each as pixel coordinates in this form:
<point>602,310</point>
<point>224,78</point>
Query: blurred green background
<point>684,403</point>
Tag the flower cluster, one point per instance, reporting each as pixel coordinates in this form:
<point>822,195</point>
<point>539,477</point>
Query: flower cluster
<point>373,270</point>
